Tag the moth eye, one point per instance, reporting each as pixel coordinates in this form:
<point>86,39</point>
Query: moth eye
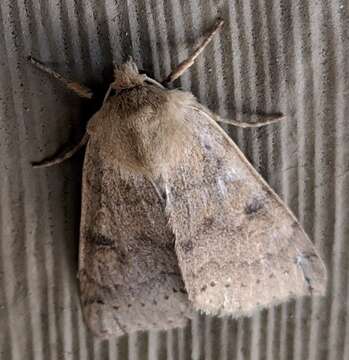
<point>129,305</point>
<point>142,304</point>
<point>212,283</point>
<point>204,288</point>
<point>258,281</point>
<point>227,285</point>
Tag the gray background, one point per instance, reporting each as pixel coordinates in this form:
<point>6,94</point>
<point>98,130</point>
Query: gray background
<point>289,56</point>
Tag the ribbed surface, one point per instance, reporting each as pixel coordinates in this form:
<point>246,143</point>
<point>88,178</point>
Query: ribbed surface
<point>289,56</point>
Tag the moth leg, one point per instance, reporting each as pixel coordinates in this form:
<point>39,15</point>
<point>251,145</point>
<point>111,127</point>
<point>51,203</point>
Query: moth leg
<point>186,64</point>
<point>62,156</point>
<point>154,82</point>
<point>262,119</point>
<point>79,89</point>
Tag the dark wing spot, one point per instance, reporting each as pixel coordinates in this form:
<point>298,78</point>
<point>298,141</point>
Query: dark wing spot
<point>207,222</point>
<point>219,164</point>
<point>93,300</point>
<point>187,246</point>
<point>295,225</point>
<point>253,206</point>
<point>99,239</point>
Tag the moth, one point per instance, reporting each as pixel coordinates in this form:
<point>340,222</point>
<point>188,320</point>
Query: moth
<point>174,218</point>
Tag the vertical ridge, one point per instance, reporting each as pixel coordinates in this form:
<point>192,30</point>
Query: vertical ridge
<point>337,326</point>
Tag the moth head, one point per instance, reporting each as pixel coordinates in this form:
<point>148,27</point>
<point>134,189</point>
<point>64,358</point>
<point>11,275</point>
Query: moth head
<point>127,76</point>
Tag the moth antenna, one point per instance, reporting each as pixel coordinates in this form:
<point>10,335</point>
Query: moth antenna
<point>63,156</point>
<point>187,63</point>
<point>77,88</point>
<point>262,120</point>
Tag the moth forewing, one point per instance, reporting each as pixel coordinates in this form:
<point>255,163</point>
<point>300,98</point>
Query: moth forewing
<point>128,270</point>
<point>238,245</point>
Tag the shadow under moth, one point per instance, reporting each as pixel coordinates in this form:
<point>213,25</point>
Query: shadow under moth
<point>174,218</point>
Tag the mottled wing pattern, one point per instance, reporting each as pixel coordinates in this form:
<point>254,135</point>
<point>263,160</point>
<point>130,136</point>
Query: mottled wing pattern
<point>128,270</point>
<point>239,247</point>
